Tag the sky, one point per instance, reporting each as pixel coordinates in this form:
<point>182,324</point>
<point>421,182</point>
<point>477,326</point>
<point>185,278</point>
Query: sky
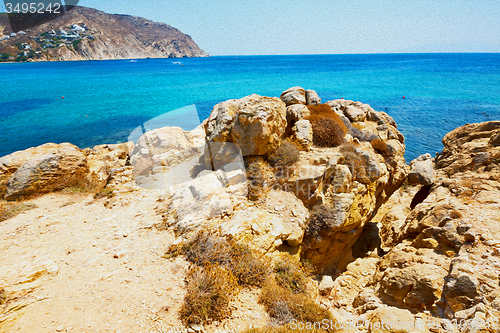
<point>262,27</point>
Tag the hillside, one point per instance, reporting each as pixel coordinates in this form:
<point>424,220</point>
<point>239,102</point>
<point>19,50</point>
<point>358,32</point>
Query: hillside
<point>107,36</point>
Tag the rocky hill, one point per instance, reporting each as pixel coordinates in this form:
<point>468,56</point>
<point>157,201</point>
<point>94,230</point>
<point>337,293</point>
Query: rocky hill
<point>107,36</point>
<point>274,211</point>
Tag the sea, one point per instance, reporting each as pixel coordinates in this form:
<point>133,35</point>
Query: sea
<point>89,103</point>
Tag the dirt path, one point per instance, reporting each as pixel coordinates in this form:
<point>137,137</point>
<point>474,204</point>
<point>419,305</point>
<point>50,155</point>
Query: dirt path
<point>76,266</point>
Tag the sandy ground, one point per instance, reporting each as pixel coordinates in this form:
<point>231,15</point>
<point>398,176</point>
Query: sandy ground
<point>74,265</point>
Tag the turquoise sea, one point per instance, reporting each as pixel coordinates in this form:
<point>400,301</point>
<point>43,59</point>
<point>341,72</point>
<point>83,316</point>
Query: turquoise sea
<point>105,100</point>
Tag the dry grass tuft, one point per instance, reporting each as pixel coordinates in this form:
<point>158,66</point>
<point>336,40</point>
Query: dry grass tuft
<point>285,155</point>
<point>210,289</point>
<point>283,305</point>
<point>3,296</point>
<point>106,192</point>
<point>10,209</point>
<point>328,128</point>
<point>322,219</point>
<point>249,269</point>
<point>259,177</point>
<point>291,274</point>
<point>381,147</point>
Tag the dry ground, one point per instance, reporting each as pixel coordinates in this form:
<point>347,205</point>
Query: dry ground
<point>74,265</point>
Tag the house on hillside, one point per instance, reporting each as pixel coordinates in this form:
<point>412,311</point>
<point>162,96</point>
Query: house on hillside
<point>13,34</point>
<point>21,33</point>
<point>76,27</point>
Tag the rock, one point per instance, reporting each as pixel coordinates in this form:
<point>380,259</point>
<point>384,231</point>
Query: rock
<point>393,320</point>
<point>294,95</point>
<point>255,123</point>
<point>495,139</point>
<point>164,157</point>
<point>355,114</point>
<point>262,229</point>
<point>194,203</point>
<point>61,166</point>
<point>105,160</point>
<point>303,134</point>
<point>421,170</point>
<point>312,97</point>
<point>326,285</point>
<point>296,112</point>
<point>10,163</point>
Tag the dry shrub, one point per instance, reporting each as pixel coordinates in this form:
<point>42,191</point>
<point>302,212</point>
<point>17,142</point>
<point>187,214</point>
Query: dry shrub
<point>357,163</point>
<point>328,128</point>
<point>283,305</point>
<point>259,177</point>
<point>381,147</point>
<point>320,109</point>
<point>3,296</point>
<point>210,289</point>
<point>9,210</point>
<point>322,219</point>
<point>285,155</point>
<point>291,274</point>
<point>106,192</point>
<point>249,269</point>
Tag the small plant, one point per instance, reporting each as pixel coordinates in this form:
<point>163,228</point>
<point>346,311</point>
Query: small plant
<point>9,210</point>
<point>291,274</point>
<point>249,269</point>
<point>106,192</point>
<point>283,305</point>
<point>328,128</point>
<point>260,177</point>
<point>210,288</point>
<point>3,296</point>
<point>285,155</point>
<point>381,147</point>
<point>322,219</point>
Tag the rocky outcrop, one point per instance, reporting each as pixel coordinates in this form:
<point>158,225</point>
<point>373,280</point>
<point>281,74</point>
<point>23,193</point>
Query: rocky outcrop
<point>254,123</point>
<point>351,180</point>
<point>443,258</point>
<point>48,168</point>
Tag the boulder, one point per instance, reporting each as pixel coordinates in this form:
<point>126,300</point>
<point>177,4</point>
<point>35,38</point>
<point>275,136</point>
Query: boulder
<point>193,204</point>
<point>294,95</point>
<point>421,170</point>
<point>312,97</point>
<point>296,112</point>
<point>10,163</point>
<point>255,123</point>
<point>302,133</point>
<point>325,285</point>
<point>279,220</point>
<point>106,161</point>
<point>61,166</point>
<point>165,157</point>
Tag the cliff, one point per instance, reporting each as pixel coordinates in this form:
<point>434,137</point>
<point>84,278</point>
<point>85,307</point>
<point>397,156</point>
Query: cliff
<point>232,207</point>
<point>108,36</point>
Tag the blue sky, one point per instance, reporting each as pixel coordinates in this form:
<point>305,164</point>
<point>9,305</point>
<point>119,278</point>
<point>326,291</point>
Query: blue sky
<point>241,27</point>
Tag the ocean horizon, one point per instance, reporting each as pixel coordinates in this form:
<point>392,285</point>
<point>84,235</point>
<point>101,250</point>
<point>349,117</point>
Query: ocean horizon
<point>427,94</point>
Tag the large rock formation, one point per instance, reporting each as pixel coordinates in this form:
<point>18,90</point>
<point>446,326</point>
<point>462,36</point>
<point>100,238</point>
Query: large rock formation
<point>352,180</point>
<point>255,123</point>
<point>444,258</point>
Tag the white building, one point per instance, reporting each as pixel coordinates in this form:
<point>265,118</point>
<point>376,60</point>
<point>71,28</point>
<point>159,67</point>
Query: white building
<point>21,33</point>
<point>63,33</point>
<point>13,34</point>
<point>76,27</point>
